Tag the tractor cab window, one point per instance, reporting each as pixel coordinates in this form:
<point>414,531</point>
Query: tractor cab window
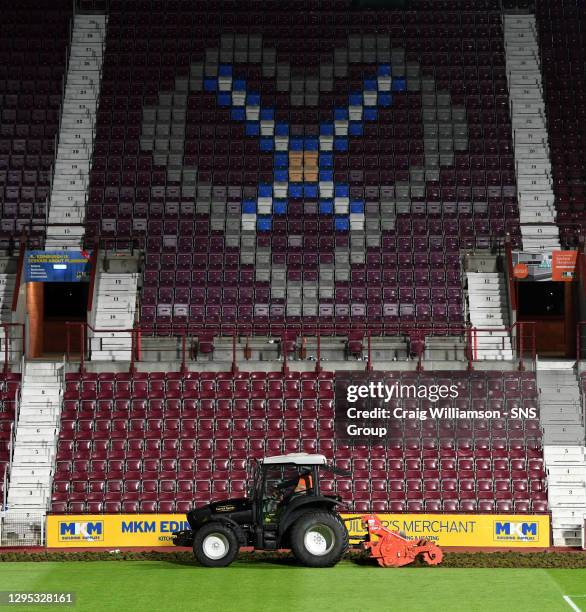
<point>281,484</point>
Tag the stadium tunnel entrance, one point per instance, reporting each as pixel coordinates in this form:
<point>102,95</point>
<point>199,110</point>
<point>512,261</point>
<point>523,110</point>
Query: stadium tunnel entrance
<point>49,307</point>
<point>552,306</point>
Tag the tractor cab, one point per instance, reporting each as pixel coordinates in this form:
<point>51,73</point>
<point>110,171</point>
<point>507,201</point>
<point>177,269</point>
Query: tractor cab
<point>281,484</point>
<point>284,508</point>
<point>276,484</point>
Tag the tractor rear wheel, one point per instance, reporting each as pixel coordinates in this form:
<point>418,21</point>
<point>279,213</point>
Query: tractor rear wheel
<point>319,539</point>
<point>215,545</point>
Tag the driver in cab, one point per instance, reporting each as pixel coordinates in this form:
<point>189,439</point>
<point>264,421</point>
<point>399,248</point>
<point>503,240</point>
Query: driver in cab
<point>285,491</point>
<point>300,485</point>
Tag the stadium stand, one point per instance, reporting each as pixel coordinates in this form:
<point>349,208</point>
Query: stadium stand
<point>291,167</point>
<point>162,441</point>
<point>563,48</point>
<point>272,177</point>
<point>33,43</point>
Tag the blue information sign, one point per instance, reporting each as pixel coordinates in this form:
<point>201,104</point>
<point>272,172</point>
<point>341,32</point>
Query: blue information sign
<point>57,266</point>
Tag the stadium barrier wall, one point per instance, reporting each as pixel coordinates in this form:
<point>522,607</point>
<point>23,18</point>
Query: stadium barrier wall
<point>188,338</point>
<point>154,530</point>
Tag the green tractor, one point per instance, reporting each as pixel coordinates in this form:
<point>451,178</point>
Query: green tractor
<point>284,508</point>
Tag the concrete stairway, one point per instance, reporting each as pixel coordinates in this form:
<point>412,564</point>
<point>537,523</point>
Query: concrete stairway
<point>562,420</point>
<point>566,477</point>
<point>115,310</point>
<point>561,406</point>
<point>76,133</point>
<point>531,145</point>
<point>487,304</point>
<point>37,430</point>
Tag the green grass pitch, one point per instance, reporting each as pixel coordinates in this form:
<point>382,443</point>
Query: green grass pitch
<point>264,586</point>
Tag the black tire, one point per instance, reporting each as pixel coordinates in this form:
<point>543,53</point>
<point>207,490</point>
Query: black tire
<point>215,537</point>
<point>329,543</point>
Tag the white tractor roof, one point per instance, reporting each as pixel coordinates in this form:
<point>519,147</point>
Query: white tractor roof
<point>297,459</point>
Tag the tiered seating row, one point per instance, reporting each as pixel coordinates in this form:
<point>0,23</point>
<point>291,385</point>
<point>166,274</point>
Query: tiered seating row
<point>282,156</point>
<point>562,37</point>
<point>162,442</point>
<point>33,44</point>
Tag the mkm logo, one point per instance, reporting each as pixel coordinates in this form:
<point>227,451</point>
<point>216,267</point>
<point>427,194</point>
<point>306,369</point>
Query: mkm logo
<point>508,531</point>
<point>81,532</point>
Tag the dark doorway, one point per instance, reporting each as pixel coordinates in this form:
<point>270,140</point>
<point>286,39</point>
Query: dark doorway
<point>541,299</point>
<point>551,306</point>
<point>63,302</point>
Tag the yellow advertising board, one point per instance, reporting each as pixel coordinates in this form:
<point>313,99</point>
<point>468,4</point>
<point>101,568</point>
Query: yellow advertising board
<point>469,530</point>
<point>152,530</point>
<point>113,530</point>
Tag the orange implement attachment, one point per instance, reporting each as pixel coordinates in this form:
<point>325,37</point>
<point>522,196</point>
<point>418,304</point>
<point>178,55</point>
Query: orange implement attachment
<point>392,550</point>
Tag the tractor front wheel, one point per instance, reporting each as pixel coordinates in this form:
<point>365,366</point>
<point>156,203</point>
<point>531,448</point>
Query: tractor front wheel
<point>319,539</point>
<point>215,545</point>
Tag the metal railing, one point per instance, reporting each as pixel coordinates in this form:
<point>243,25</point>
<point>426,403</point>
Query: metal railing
<point>13,339</point>
<point>12,439</point>
<point>22,528</point>
<point>93,274</point>
<point>184,346</point>
<point>511,290</point>
<point>580,342</point>
<point>5,489</point>
<point>13,425</point>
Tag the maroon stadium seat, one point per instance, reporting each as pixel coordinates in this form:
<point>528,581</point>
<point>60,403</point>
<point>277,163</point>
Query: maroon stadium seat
<point>203,460</point>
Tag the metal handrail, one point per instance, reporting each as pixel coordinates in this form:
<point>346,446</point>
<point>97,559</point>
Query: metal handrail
<point>8,338</point>
<point>579,326</point>
<point>12,444</point>
<point>17,402</point>
<point>5,490</point>
<point>522,334</point>
<point>19,268</point>
<point>93,274</point>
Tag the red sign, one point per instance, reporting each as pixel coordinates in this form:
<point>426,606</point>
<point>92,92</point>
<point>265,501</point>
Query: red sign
<point>521,271</point>
<point>563,265</point>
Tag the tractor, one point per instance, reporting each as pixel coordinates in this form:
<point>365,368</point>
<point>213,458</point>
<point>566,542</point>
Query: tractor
<point>284,508</point>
